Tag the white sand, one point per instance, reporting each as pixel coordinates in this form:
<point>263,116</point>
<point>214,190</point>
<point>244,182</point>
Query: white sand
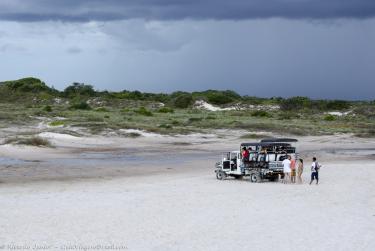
<point>194,211</point>
<point>184,207</point>
<point>339,113</point>
<point>201,104</point>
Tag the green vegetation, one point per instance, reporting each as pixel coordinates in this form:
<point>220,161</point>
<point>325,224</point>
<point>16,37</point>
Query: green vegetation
<point>33,141</point>
<point>330,117</point>
<point>28,85</point>
<point>260,113</point>
<point>47,108</point>
<point>182,100</point>
<point>255,136</point>
<point>143,111</point>
<point>80,106</point>
<point>27,101</point>
<point>101,109</point>
<point>166,110</point>
<point>300,103</point>
<point>56,123</point>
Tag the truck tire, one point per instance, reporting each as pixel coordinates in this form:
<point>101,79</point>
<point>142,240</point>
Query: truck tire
<point>274,178</point>
<point>220,175</point>
<point>255,178</point>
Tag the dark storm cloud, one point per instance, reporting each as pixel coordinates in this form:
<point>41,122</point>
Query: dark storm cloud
<point>107,10</point>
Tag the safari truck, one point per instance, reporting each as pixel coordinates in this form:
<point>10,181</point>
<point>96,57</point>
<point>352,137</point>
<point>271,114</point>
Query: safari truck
<point>264,160</point>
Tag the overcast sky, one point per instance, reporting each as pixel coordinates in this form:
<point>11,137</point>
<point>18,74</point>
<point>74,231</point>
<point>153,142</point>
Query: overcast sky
<point>315,48</point>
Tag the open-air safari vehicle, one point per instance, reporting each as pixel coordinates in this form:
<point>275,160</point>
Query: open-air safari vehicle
<point>264,161</point>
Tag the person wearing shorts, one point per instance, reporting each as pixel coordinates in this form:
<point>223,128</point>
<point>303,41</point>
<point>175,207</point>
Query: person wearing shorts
<point>315,171</point>
<point>286,169</point>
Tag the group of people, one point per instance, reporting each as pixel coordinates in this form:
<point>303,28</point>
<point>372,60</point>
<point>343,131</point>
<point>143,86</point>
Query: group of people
<point>291,170</point>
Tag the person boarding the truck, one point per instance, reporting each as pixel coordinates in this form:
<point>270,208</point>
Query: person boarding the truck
<point>245,158</point>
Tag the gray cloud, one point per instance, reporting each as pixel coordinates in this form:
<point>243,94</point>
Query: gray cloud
<point>9,47</point>
<point>74,50</point>
<point>109,10</point>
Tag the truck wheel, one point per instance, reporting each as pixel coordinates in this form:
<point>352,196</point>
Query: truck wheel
<point>220,175</point>
<point>275,178</point>
<point>255,178</point>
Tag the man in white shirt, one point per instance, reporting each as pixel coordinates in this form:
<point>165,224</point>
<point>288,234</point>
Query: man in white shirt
<point>315,171</point>
<point>286,168</point>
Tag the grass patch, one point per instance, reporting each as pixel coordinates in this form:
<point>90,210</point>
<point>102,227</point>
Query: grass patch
<point>80,106</point>
<point>143,111</point>
<point>166,126</point>
<point>101,109</point>
<point>254,136</point>
<point>193,120</point>
<point>57,123</point>
<point>260,113</point>
<point>166,110</point>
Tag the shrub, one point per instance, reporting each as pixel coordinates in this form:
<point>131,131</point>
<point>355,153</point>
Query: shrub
<point>338,105</point>
<point>35,141</point>
<point>79,89</point>
<point>330,117</point>
<point>183,100</point>
<point>175,122</point>
<point>294,103</point>
<point>253,100</point>
<point>260,113</point>
<point>143,111</point>
<point>28,85</point>
<point>166,110</point>
<point>218,97</point>
<point>80,106</point>
<point>47,108</point>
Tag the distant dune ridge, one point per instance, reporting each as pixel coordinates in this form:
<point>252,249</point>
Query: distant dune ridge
<point>80,109</point>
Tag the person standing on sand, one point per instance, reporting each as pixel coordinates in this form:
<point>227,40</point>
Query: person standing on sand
<point>300,171</point>
<point>293,168</point>
<point>315,171</point>
<point>286,167</point>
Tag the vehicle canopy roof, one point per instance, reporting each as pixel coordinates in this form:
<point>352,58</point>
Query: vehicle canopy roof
<point>264,144</point>
<point>279,140</point>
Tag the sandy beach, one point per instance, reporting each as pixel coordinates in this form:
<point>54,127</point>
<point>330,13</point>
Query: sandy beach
<point>160,193</point>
